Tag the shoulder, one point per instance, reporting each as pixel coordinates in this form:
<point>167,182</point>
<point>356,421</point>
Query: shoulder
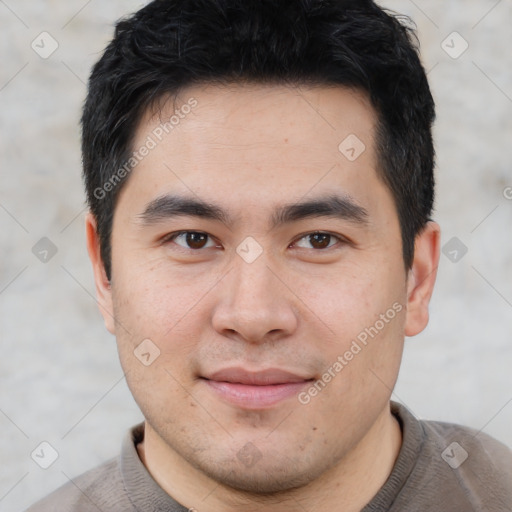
<point>100,488</point>
<point>463,444</point>
<point>470,463</point>
<point>104,487</point>
<point>445,466</point>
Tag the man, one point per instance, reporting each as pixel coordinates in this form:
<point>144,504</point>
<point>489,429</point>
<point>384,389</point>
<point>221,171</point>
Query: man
<point>260,182</point>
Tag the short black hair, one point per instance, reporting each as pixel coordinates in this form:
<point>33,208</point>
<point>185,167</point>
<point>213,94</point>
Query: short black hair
<point>171,44</point>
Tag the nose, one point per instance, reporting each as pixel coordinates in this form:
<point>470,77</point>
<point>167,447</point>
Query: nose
<point>254,304</point>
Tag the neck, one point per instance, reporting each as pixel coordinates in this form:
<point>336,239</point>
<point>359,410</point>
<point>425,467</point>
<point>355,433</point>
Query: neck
<point>348,486</point>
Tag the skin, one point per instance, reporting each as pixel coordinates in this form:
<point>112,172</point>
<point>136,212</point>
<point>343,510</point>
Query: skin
<point>250,149</point>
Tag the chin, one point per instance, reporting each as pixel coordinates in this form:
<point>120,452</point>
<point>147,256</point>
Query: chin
<point>261,479</point>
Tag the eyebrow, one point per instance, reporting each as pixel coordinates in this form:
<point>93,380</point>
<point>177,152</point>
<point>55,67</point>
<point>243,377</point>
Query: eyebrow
<point>169,206</point>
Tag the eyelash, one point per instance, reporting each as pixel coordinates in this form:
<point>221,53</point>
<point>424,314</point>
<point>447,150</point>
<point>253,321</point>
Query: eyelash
<point>339,239</point>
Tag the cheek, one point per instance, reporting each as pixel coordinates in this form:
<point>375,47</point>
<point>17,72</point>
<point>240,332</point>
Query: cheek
<point>364,308</point>
<point>352,299</point>
<point>152,310</point>
<point>363,355</point>
<point>154,296</point>
<point>158,337</point>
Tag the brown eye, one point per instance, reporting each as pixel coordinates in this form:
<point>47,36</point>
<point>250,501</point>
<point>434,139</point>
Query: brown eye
<point>196,240</point>
<point>317,241</point>
<point>192,240</point>
<point>320,240</point>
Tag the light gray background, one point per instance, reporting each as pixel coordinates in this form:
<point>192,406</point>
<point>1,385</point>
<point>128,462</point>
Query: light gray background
<point>60,378</point>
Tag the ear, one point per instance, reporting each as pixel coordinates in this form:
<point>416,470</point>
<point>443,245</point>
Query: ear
<point>103,288</point>
<point>421,278</point>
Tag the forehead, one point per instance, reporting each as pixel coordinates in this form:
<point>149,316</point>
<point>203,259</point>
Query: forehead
<point>312,111</point>
<point>263,141</point>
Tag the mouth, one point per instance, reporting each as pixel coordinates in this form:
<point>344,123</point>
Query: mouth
<point>255,389</point>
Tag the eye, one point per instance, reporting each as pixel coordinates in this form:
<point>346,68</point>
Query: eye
<point>317,240</point>
<point>191,240</point>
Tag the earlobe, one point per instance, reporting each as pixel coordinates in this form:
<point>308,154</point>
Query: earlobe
<point>103,288</point>
<point>421,278</point>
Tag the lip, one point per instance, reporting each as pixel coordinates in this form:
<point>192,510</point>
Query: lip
<point>255,389</point>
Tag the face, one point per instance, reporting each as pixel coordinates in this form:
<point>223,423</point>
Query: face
<point>261,262</point>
